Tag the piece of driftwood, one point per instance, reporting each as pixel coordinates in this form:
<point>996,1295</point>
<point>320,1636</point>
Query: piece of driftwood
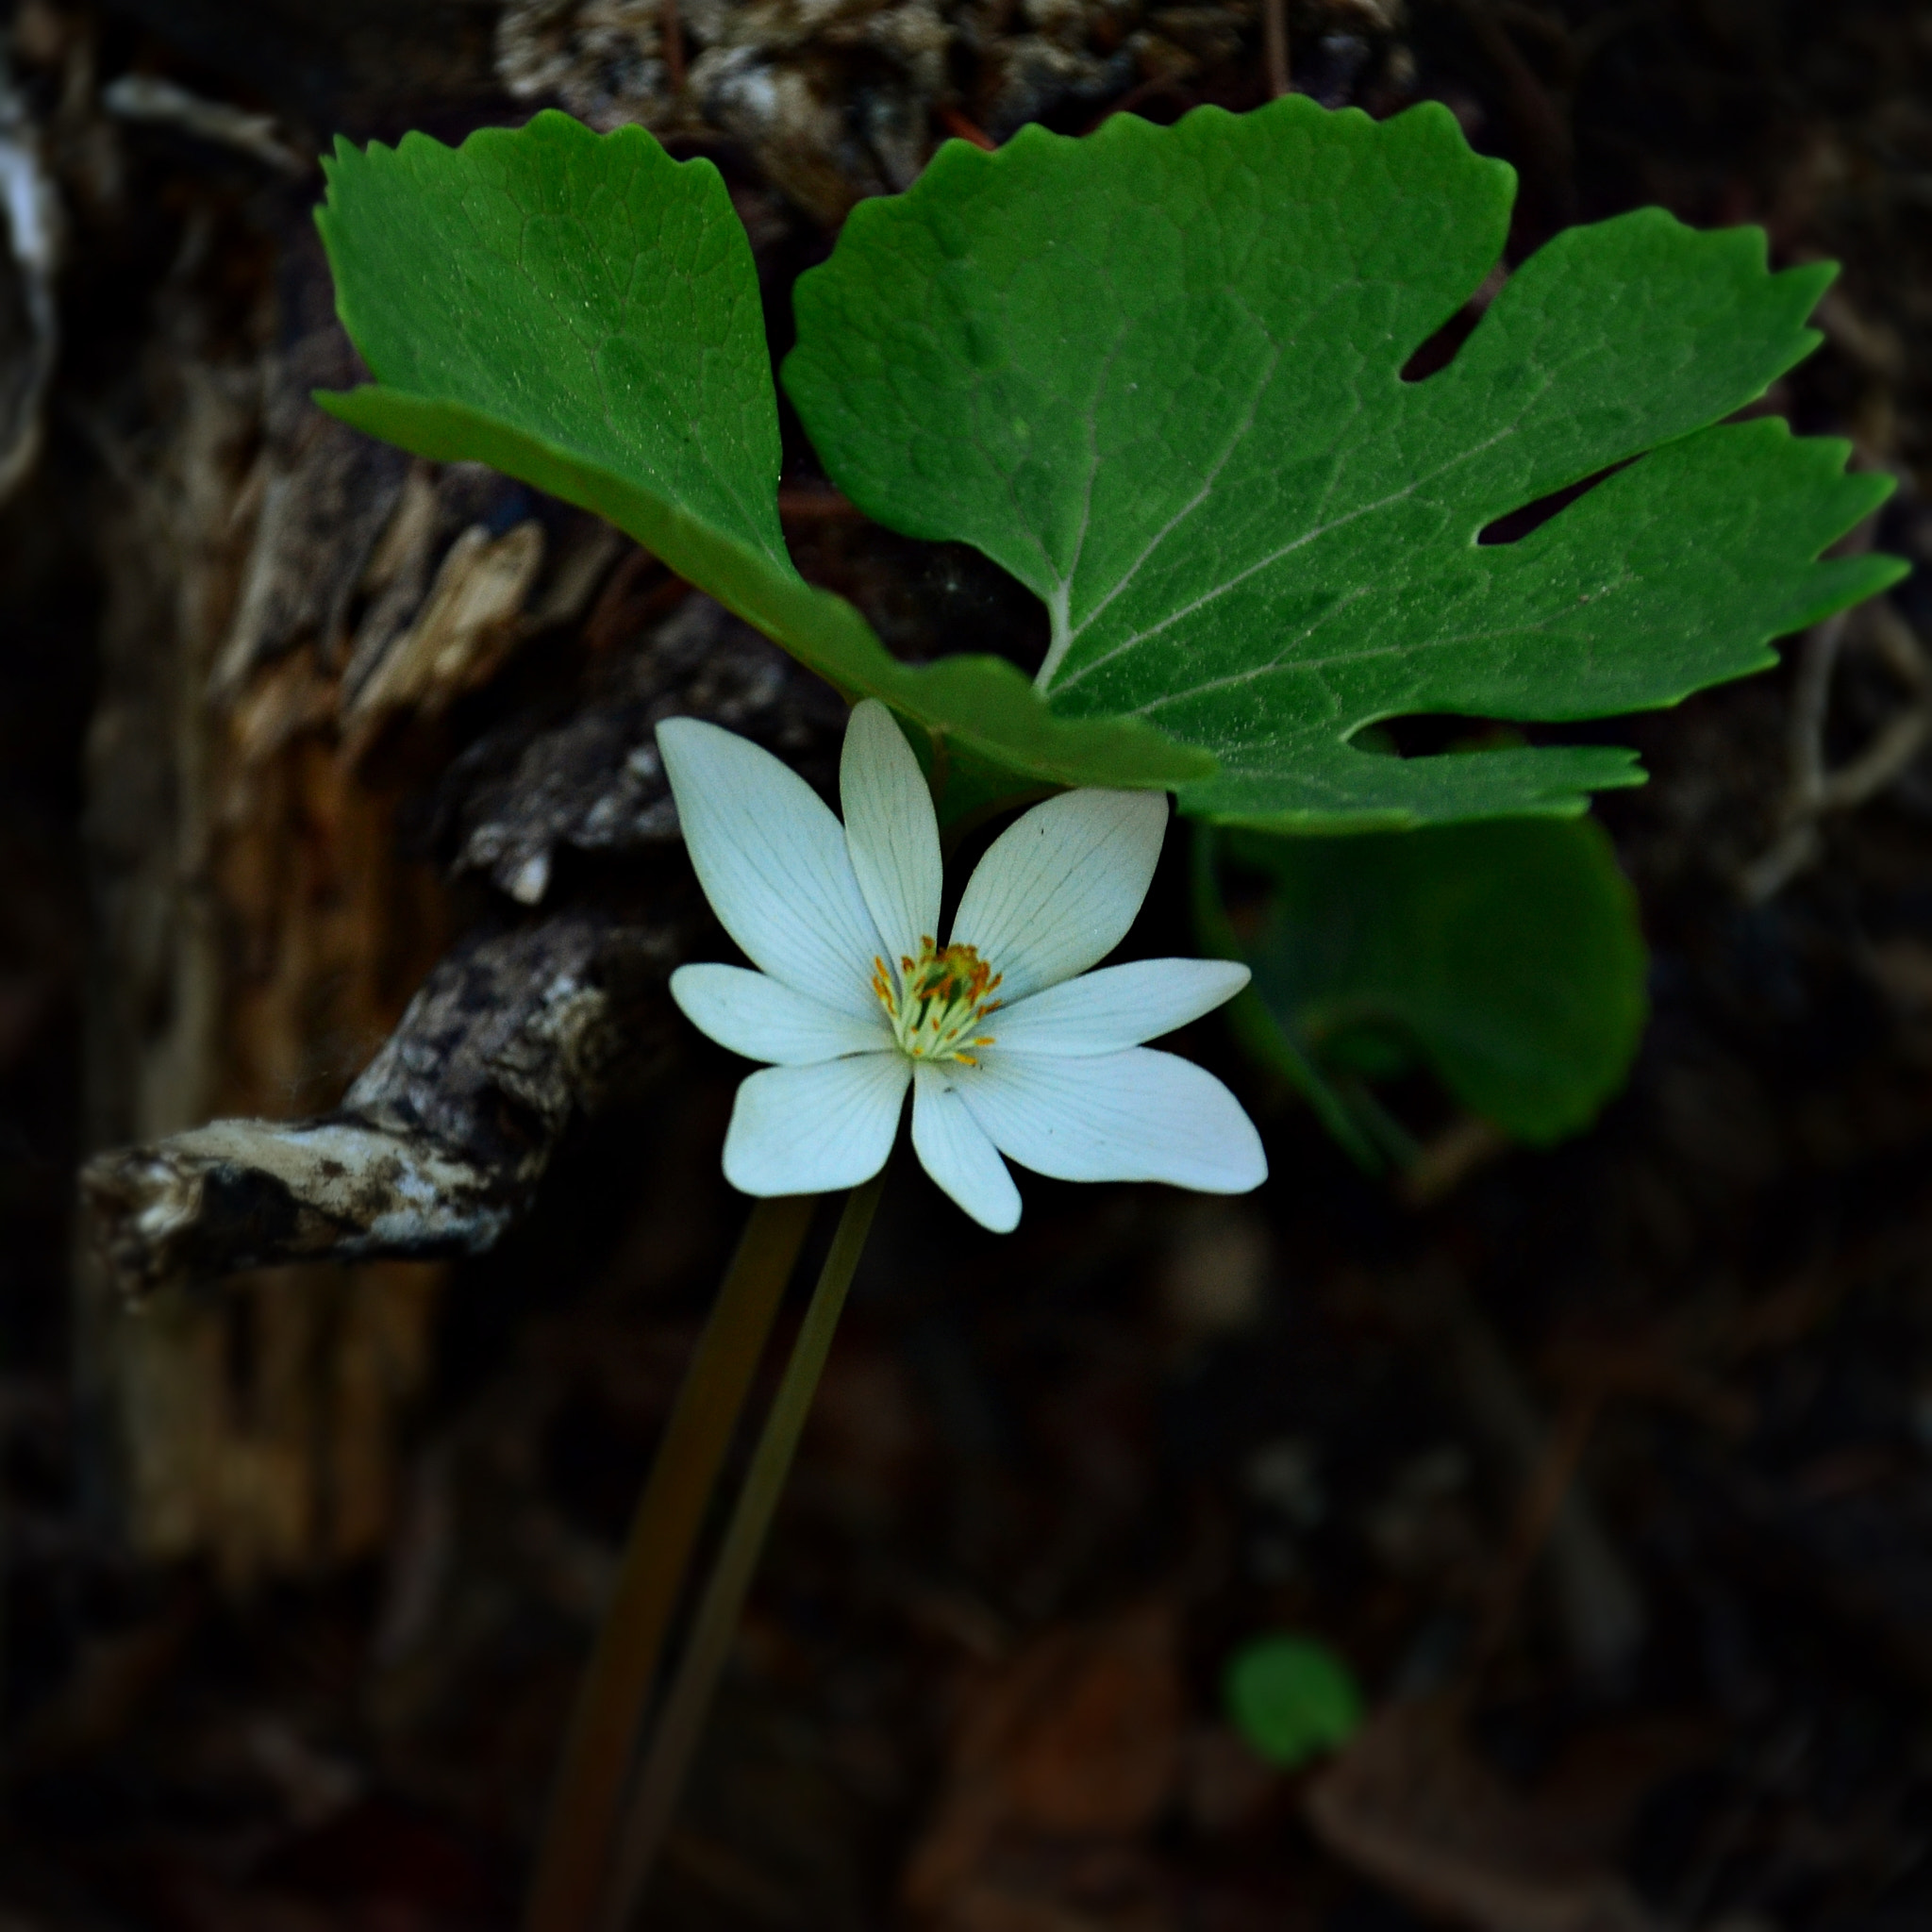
<point>437,1146</point>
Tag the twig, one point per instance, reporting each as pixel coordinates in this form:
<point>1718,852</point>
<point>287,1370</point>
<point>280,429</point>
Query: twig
<point>1442,1163</point>
<point>661,1782</point>
<point>1274,47</point>
<point>632,594</point>
<point>1599,1605</point>
<point>1798,843</point>
<point>162,104</point>
<point>804,502</point>
<point>1602,1610</point>
<point>1810,702</point>
<point>671,30</point>
<point>1142,92</point>
<point>1539,1507</point>
<point>1895,746</point>
<point>1543,126</point>
<point>1815,788</point>
<point>588,1795</point>
<point>966,129</point>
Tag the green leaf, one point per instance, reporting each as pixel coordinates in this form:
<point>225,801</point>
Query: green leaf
<point>582,312</point>
<point>1505,955</point>
<point>1292,1699</point>
<point>1156,373</point>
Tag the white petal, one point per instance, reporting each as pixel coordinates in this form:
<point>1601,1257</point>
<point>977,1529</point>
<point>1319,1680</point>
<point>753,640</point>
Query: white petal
<point>890,829</point>
<point>808,1130</point>
<point>772,862</point>
<point>756,1016</point>
<point>952,1148</point>
<point>1116,1007</point>
<point>1133,1116</point>
<point>1058,889</point>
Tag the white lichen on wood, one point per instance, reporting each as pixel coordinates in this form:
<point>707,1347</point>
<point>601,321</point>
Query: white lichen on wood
<point>435,1150</point>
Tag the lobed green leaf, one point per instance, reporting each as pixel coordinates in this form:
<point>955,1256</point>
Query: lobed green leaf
<point>582,312</point>
<point>1157,374</point>
<point>1507,956</point>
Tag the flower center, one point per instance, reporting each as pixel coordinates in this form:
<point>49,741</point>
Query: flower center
<point>941,1000</point>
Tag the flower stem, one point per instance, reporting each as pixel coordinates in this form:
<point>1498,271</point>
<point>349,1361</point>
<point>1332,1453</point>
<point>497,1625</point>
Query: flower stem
<point>661,1782</point>
<point>588,1795</point>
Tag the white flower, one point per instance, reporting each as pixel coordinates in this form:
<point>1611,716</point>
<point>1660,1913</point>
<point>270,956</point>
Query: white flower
<point>1010,1045</point>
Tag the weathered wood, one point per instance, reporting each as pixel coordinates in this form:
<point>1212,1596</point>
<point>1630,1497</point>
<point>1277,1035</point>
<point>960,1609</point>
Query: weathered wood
<point>258,936</point>
<point>437,1145</point>
<point>280,623</point>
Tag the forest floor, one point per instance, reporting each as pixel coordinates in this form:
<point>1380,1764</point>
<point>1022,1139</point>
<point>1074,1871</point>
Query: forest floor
<point>1607,1469</point>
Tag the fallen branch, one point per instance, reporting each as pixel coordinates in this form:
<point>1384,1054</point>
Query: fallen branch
<point>1817,790</point>
<point>439,1145</point>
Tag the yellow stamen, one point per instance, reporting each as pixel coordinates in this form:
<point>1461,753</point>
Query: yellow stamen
<point>941,1000</point>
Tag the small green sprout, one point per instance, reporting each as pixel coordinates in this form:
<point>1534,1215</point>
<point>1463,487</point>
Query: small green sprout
<point>1290,1698</point>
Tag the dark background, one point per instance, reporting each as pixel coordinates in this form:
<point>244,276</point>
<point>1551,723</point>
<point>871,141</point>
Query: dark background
<point>1608,1470</point>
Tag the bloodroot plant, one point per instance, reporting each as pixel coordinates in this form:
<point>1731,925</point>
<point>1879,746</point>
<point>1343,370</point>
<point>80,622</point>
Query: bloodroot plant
<point>1159,375</point>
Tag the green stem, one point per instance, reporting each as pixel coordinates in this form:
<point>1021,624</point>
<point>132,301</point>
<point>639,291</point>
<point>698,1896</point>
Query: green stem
<point>661,1782</point>
<point>1256,1023</point>
<point>588,1795</point>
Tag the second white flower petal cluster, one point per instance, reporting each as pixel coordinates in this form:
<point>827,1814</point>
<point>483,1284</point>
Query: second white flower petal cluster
<point>1011,1047</point>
